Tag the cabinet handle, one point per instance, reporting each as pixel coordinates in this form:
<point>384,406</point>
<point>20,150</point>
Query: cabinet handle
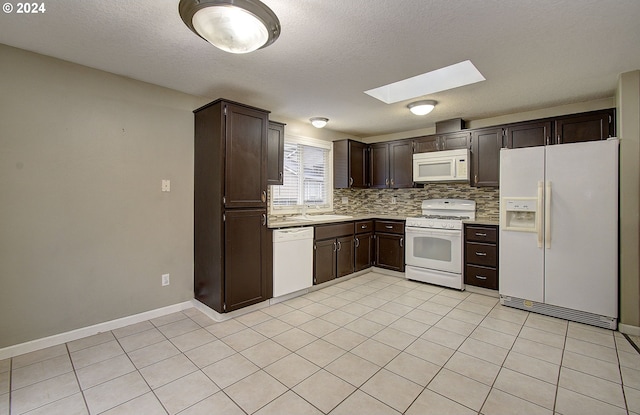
<point>392,182</point>
<point>264,219</point>
<point>357,242</point>
<point>481,253</point>
<point>480,234</point>
<point>386,182</point>
<point>350,181</point>
<point>264,196</point>
<point>480,277</point>
<point>401,242</point>
<point>475,179</point>
<point>389,226</point>
<point>558,139</point>
<point>364,227</point>
<point>280,176</point>
<point>339,245</point>
<point>335,247</point>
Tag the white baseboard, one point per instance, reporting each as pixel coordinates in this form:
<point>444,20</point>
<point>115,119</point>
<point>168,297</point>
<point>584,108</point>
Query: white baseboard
<point>231,314</point>
<point>627,329</point>
<point>72,335</point>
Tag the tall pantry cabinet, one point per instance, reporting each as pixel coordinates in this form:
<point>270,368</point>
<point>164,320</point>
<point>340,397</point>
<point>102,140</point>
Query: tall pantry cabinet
<point>232,245</point>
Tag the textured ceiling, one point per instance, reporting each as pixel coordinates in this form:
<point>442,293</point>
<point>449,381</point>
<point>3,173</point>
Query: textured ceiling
<point>534,54</point>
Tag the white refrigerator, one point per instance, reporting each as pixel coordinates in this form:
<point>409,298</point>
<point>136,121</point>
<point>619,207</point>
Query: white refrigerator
<point>559,231</point>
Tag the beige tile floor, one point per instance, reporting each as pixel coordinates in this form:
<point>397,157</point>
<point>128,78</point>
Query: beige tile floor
<point>374,344</point>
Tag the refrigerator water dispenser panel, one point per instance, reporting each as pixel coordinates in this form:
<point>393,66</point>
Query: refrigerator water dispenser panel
<point>519,214</point>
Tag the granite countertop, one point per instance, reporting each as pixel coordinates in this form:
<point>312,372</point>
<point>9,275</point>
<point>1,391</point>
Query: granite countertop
<point>275,222</point>
<point>484,220</point>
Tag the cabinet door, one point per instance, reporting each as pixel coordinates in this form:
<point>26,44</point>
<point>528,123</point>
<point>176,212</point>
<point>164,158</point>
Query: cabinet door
<point>245,262</point>
<point>344,256</point>
<point>530,134</point>
<point>426,144</point>
<point>245,160</point>
<point>453,141</point>
<point>275,153</point>
<point>591,126</point>
<point>390,251</point>
<point>363,251</point>
<point>400,164</point>
<point>485,157</point>
<point>379,165</point>
<point>358,165</point>
<point>324,261</point>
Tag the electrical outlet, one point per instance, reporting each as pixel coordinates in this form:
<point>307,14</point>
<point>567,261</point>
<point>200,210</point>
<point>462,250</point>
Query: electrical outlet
<point>165,280</point>
<point>345,200</point>
<point>166,185</point>
<point>394,200</point>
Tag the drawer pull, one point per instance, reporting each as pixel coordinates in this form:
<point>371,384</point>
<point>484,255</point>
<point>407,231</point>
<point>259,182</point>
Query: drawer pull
<point>481,234</point>
<point>480,277</point>
<point>364,227</point>
<point>389,226</point>
<point>481,253</point>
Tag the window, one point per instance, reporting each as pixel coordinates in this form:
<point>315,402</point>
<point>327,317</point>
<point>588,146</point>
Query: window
<point>307,177</point>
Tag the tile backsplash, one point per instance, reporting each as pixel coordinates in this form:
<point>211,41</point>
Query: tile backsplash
<point>408,201</point>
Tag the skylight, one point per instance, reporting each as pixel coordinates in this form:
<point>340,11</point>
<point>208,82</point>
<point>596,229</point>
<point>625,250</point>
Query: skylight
<point>449,77</point>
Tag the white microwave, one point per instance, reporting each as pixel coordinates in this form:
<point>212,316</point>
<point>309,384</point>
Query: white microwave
<point>441,166</point>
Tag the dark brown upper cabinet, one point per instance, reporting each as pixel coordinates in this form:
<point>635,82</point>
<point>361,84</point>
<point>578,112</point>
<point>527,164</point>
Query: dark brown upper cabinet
<point>245,157</point>
<point>350,164</point>
<point>591,126</point>
<point>485,156</point>
<point>528,134</point>
<point>439,142</point>
<point>275,153</point>
<point>390,164</point>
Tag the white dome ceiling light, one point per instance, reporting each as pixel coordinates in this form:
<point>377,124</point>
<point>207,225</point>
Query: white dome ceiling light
<point>422,107</point>
<point>235,26</point>
<point>319,122</point>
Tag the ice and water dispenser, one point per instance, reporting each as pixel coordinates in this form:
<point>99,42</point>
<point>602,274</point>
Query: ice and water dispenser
<point>519,214</point>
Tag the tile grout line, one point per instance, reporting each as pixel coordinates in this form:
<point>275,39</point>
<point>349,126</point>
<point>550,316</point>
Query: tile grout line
<point>75,373</point>
<point>138,370</point>
<point>624,394</point>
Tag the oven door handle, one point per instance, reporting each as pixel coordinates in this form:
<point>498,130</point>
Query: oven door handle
<point>432,232</point>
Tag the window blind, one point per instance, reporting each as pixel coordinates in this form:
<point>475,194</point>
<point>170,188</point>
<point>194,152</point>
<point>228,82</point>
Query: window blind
<point>306,177</point>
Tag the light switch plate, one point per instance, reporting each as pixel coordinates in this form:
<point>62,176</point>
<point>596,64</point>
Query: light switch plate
<point>166,185</point>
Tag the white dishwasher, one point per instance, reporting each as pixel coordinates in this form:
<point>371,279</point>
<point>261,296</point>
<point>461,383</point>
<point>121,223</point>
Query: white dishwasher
<point>292,260</point>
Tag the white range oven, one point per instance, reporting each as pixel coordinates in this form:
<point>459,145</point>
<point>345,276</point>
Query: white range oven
<point>433,252</point>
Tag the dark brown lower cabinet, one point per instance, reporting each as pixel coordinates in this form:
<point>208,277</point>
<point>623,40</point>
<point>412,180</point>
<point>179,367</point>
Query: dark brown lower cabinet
<point>481,256</point>
<point>324,259</point>
<point>344,256</point>
<point>389,245</point>
<point>390,251</point>
<point>246,251</point>
<point>363,251</point>
<point>333,252</point>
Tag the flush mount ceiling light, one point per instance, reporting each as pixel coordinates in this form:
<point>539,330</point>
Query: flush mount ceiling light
<point>236,26</point>
<point>449,77</point>
<point>319,122</point>
<point>422,107</point>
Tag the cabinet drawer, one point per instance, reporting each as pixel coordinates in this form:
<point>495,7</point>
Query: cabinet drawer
<point>364,226</point>
<point>481,254</point>
<point>481,277</point>
<point>389,226</point>
<point>481,234</point>
<point>334,230</point>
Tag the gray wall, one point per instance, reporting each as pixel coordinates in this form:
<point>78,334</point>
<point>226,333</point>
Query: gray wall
<point>85,232</point>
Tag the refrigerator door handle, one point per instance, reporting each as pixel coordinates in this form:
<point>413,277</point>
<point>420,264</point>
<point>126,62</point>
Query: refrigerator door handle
<point>539,213</point>
<point>547,215</point>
